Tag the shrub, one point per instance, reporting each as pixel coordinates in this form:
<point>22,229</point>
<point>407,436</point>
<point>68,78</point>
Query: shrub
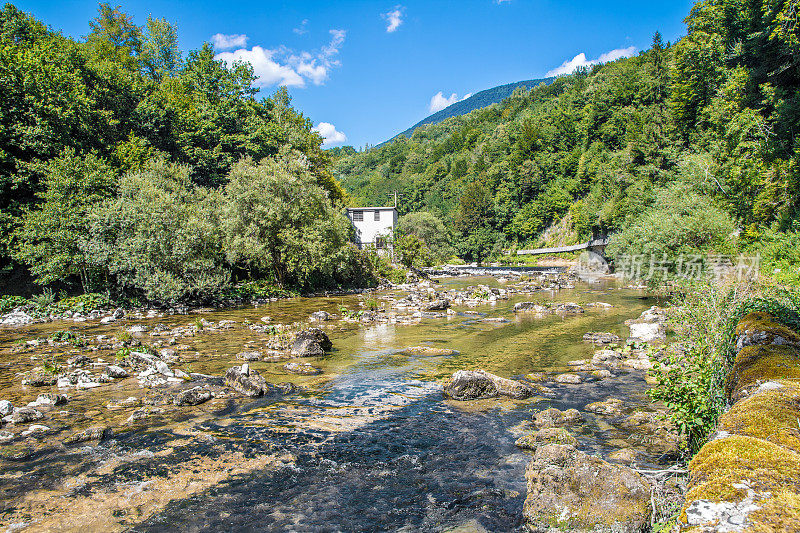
<point>9,303</point>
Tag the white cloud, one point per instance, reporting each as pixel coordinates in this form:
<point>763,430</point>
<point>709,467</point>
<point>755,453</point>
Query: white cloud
<point>302,29</point>
<point>580,60</point>
<point>394,19</point>
<point>330,134</point>
<point>439,101</point>
<point>283,66</point>
<point>226,42</point>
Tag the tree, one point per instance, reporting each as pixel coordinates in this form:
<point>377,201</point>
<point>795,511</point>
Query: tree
<point>430,230</point>
<point>279,222</point>
<point>51,234</point>
<point>115,38</point>
<point>160,53</point>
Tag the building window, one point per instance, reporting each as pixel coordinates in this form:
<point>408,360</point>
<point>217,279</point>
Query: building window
<point>380,242</point>
<point>377,215</point>
<point>358,216</point>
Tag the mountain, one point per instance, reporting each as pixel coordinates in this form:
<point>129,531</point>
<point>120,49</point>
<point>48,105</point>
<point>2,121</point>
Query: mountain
<point>495,95</point>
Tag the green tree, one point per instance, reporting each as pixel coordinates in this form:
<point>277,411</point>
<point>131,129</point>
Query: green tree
<point>160,53</point>
<point>429,229</point>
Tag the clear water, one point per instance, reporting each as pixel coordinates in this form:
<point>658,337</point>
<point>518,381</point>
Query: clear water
<point>371,445</point>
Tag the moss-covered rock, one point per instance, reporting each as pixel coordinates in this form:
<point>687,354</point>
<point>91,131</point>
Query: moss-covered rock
<point>546,436</point>
<point>743,475</point>
<point>569,490</point>
<point>760,328</point>
<point>771,413</point>
<point>757,364</point>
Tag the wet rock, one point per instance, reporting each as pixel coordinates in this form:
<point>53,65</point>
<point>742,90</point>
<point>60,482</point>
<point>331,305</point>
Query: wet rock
<point>34,428</point>
<point>609,407</point>
<point>569,490</point>
<point>605,357</point>
<point>546,436</point>
<point>568,378</point>
<point>649,327</point>
<point>477,384</point>
<point>428,351</point>
<point>116,372</point>
<point>16,318</point>
<point>96,433</point>
<point>49,399</point>
<point>303,369</point>
<point>320,316</point>
<point>652,429</point>
<point>40,379</point>
<point>118,313</point>
<point>310,343</point>
<point>245,381</point>
<point>568,308</point>
<point>602,373</point>
<point>78,360</point>
<point>625,455</point>
<point>437,305</point>
<point>530,307</point>
<point>249,356</point>
<point>6,408</point>
<point>286,387</point>
<point>24,415</point>
<point>141,361</point>
<point>193,396</point>
<point>169,355</point>
<point>552,417</point>
<point>6,436</point>
<point>600,337</point>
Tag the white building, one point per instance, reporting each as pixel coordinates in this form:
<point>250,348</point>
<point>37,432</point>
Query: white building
<point>374,225</point>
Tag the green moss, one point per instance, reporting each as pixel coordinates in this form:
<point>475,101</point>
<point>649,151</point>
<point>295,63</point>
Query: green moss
<point>772,415</point>
<point>756,364</point>
<point>722,463</point>
<point>759,321</point>
<point>779,513</point>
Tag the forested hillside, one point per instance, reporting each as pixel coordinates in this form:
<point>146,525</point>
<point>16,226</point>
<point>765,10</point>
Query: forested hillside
<point>702,130</point>
<point>495,95</point>
<point>128,169</point>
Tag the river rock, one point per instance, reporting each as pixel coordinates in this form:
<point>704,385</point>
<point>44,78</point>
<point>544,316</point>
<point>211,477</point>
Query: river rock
<point>552,417</point>
<point>601,337</point>
<point>569,308</point>
<point>569,490</point>
<point>437,305</point>
<point>546,436</point>
<point>16,318</point>
<point>609,407</point>
<point>116,372</point>
<point>649,327</point>
<point>304,369</point>
<point>193,396</point>
<point>568,378</point>
<point>6,408</point>
<point>286,387</point>
<point>311,342</point>
<point>249,356</point>
<point>477,384</point>
<point>49,399</point>
<point>530,307</point>
<point>97,433</point>
<point>40,379</point>
<point>320,316</point>
<point>24,415</point>
<point>141,360</point>
<point>78,360</point>
<point>625,455</point>
<point>428,351</point>
<point>245,381</point>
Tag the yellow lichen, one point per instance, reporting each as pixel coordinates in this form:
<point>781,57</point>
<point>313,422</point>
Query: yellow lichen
<point>763,322</point>
<point>756,364</point>
<point>778,513</point>
<point>771,415</point>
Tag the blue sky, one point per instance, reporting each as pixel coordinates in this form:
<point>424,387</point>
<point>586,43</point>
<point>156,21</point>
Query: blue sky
<point>366,70</point>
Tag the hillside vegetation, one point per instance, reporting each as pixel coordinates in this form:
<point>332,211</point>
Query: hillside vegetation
<point>702,130</point>
<point>478,100</point>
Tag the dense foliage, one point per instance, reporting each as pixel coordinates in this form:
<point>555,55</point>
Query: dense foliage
<point>120,160</point>
<point>716,111</point>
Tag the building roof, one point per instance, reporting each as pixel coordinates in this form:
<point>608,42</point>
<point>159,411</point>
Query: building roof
<point>371,208</point>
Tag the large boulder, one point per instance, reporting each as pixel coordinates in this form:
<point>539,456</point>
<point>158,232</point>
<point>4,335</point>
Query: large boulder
<point>310,343</point>
<point>477,384</point>
<point>552,417</point>
<point>437,305</point>
<point>569,490</point>
<point>530,307</point>
<point>246,381</point>
<point>193,396</point>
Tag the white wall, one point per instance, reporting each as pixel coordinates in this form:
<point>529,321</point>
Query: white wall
<point>369,229</point>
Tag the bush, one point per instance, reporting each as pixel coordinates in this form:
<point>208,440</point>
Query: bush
<point>780,255</point>
<point>412,252</point>
<point>9,303</point>
<point>431,231</point>
<point>690,381</point>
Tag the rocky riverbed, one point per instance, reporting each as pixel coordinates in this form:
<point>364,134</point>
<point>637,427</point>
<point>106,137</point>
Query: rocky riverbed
<point>325,413</point>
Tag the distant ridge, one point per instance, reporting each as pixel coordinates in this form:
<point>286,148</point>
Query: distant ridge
<point>478,100</point>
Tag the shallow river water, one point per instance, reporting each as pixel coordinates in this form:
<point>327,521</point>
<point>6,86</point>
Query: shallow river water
<point>368,445</point>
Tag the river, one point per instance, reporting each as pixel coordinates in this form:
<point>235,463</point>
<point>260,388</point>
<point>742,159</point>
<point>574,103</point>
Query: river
<point>368,445</point>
